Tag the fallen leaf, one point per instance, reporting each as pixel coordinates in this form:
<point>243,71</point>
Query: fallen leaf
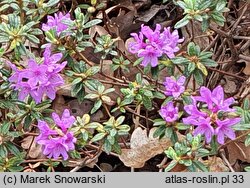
<point>143,148</point>
<point>65,89</point>
<point>59,104</point>
<point>35,151</point>
<point>146,16</point>
<point>106,167</point>
<point>238,151</point>
<point>217,165</point>
<point>78,109</point>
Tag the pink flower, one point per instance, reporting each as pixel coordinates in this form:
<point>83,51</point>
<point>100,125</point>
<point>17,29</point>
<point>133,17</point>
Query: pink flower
<point>56,22</point>
<point>215,99</point>
<point>169,112</point>
<point>57,141</point>
<point>207,119</point>
<point>38,80</point>
<point>151,45</point>
<point>203,127</point>
<point>65,122</point>
<point>224,129</point>
<point>174,87</point>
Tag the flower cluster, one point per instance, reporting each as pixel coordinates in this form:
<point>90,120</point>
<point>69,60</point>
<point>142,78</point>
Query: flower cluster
<point>59,140</point>
<point>208,120</point>
<point>151,44</point>
<point>56,23</point>
<point>174,87</point>
<point>169,113</point>
<point>39,79</point>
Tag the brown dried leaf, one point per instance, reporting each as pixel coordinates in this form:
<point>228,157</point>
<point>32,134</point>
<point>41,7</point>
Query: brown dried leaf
<point>106,167</point>
<point>143,148</point>
<point>35,149</point>
<point>146,16</point>
<point>238,151</point>
<point>59,104</point>
<point>246,70</point>
<point>77,109</point>
<point>217,165</point>
<point>65,89</point>
<point>97,30</point>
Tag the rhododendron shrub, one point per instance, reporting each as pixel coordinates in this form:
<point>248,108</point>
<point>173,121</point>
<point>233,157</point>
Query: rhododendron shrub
<point>73,85</point>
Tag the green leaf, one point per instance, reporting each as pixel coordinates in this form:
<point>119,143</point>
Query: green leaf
<point>51,3</point>
<point>27,122</point>
<point>120,120</point>
<point>241,127</point>
<point>202,68</point>
<point>182,126</point>
<point>209,63</point>
<point>33,39</point>
<point>204,25</point>
<point>76,89</point>
<point>198,17</point>
<point>15,168</point>
<point>110,90</point>
<point>184,21</point>
<point>202,152</point>
<point>247,141</point>
<point>198,76</point>
<point>191,67</point>
<point>3,151</point>
<point>159,95</point>
<point>171,165</point>
<point>117,148</point>
<point>221,4</point>
<point>218,18</point>
<point>111,139</point>
<point>107,146</point>
<point>180,60</point>
<point>204,5</point>
<point>247,169</point>
<point>98,137</point>
<point>124,128</point>
<point>4,128</point>
<point>205,55</point>
<point>138,61</point>
<point>147,102</point>
<point>93,70</point>
<point>80,95</point>
<point>246,104</point>
<point>12,148</point>
<point>159,132</point>
<point>190,4</point>
<point>169,132</point>
<point>92,84</point>
<point>158,122</point>
<point>191,49</point>
<point>200,166</point>
<point>76,81</point>
<point>97,105</point>
<point>91,96</point>
<point>92,23</point>
<point>182,4</point>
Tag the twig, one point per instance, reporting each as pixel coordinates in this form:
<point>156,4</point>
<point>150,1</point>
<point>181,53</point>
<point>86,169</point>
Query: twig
<point>161,165</point>
<point>141,116</point>
<point>33,138</point>
<point>96,147</point>
<point>87,160</point>
<point>231,141</point>
<point>227,73</point>
<point>226,161</point>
